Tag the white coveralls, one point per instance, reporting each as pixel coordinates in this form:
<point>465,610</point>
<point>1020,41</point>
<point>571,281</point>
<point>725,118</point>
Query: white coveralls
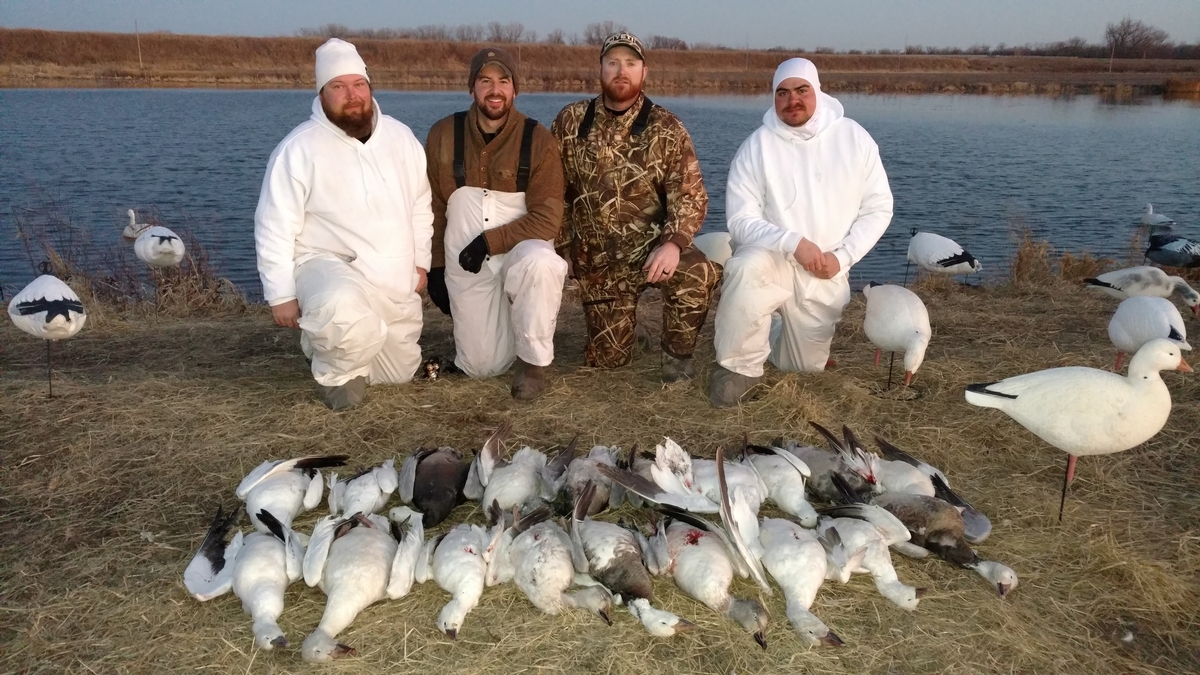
<point>822,181</point>
<point>342,227</point>
<point>510,308</point>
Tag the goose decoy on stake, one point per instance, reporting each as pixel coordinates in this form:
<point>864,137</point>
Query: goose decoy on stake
<point>47,308</point>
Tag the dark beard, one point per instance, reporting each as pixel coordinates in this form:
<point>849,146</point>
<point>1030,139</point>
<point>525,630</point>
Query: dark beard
<point>356,123</point>
<point>499,116</point>
<point>611,95</point>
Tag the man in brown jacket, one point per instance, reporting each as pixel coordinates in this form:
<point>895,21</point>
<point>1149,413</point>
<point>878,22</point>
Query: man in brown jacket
<point>497,185</point>
<point>635,198</point>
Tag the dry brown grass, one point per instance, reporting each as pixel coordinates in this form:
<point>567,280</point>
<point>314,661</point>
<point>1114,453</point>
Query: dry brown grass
<point>54,58</point>
<point>110,485</point>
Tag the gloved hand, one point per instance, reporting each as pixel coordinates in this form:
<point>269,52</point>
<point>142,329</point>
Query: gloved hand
<point>436,285</point>
<point>472,256</point>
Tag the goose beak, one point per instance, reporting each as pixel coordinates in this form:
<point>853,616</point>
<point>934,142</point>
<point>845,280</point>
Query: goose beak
<point>908,376</point>
<point>604,616</point>
<point>684,626</point>
<point>761,638</point>
<point>452,633</point>
<point>920,592</point>
<point>1003,589</point>
<point>343,650</point>
<point>1196,310</point>
<point>1184,367</point>
<point>831,639</point>
<point>280,642</point>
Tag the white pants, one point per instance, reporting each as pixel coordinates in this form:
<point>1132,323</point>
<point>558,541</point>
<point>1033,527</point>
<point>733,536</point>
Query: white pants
<point>758,284</point>
<point>510,308</point>
<point>350,328</point>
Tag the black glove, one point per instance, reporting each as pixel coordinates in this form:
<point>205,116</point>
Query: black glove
<point>471,258</point>
<point>435,283</point>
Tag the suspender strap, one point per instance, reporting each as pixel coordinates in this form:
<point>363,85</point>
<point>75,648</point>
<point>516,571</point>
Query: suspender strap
<point>460,137</point>
<point>639,123</point>
<point>589,116</point>
<point>525,163</point>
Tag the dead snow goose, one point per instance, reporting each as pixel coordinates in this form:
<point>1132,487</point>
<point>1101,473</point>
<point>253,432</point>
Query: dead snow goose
<point>458,562</point>
<point>935,253</point>
<point>1002,577</point>
<point>367,492</point>
<point>1085,411</point>
<point>158,246</point>
<point>518,482</point>
<point>869,531</point>
<point>896,321</point>
<point>796,560</point>
<point>285,487</point>
<point>1144,280</point>
<point>977,527</point>
<point>1141,319</point>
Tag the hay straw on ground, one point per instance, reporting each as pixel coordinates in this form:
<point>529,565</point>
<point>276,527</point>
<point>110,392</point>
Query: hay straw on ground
<point>109,488</point>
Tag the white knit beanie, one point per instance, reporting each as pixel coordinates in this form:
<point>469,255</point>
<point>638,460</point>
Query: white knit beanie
<point>336,58</point>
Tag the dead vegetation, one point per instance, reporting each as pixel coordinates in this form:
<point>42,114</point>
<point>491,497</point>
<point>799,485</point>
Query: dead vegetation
<point>110,485</point>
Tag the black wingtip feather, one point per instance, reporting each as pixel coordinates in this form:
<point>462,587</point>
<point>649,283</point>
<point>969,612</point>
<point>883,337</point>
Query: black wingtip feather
<point>213,547</point>
<point>982,388</point>
<point>266,518</point>
<point>843,487</point>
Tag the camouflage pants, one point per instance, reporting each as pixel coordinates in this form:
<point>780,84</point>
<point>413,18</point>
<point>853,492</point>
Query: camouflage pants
<point>610,307</point>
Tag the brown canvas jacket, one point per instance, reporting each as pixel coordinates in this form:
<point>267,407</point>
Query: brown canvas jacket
<point>494,167</point>
<point>614,182</point>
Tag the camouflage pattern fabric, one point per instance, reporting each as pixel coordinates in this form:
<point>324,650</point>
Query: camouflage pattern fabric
<point>625,196</point>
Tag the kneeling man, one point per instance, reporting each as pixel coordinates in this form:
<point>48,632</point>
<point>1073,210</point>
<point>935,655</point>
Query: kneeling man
<point>807,198</point>
<point>497,184</point>
<point>343,233</point>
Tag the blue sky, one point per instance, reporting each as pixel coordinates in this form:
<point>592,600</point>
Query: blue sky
<point>840,24</point>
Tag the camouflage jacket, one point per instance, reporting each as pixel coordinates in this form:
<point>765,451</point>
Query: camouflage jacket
<point>626,195</point>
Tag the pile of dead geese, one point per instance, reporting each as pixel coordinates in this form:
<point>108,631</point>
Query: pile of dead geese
<point>699,523</point>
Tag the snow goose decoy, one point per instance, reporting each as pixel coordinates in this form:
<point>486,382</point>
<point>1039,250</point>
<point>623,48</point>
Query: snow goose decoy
<point>896,321</point>
<point>716,246</point>
<point>458,561</point>
<point>1152,219</point>
<point>358,562</point>
<point>433,481</point>
<point>367,492</point>
<point>1144,281</point>
<point>258,568</point>
<point>614,557</point>
<point>1002,577</point>
<point>285,487</point>
<point>537,555</point>
<point>796,560</point>
<point>935,253</point>
<point>134,228</point>
<point>869,531</point>
<point>977,527</point>
<point>1173,250</point>
<point>1141,319</point>
<point>1085,411</point>
<point>158,246</point>
<point>48,309</point>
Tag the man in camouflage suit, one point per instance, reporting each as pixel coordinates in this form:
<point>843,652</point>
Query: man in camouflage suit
<point>634,198</point>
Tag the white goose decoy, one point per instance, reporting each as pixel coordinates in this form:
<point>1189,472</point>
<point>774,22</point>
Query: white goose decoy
<point>1084,411</point>
<point>1144,280</point>
<point>1152,219</point>
<point>1002,577</point>
<point>365,493</point>
<point>935,253</point>
<point>458,561</point>
<point>134,228</point>
<point>258,568</point>
<point>716,246</point>
<point>48,309</point>
<point>285,487</point>
<point>796,560</point>
<point>614,557</point>
<point>897,321</point>
<point>358,562</point>
<point>158,246</point>
<point>1141,319</point>
<point>537,555</point>
<point>869,531</point>
<point>1173,250</point>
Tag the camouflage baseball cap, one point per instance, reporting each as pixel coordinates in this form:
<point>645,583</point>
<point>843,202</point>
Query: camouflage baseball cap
<point>623,39</point>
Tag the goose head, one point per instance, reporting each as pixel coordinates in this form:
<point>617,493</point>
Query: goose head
<point>902,595</point>
<point>1001,576</point>
<point>321,647</point>
<point>812,631</point>
<point>1155,356</point>
<point>659,623</point>
<point>450,619</point>
<point>595,599</point>
<point>914,355</point>
<point>750,615</point>
<point>1189,294</point>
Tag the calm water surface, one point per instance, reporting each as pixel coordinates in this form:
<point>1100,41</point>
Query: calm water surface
<point>1077,171</point>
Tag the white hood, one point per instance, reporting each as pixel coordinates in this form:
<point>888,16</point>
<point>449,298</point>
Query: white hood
<point>829,110</point>
<point>319,116</point>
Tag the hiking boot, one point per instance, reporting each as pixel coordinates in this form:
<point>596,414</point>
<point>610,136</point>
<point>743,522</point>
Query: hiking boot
<point>676,370</point>
<point>345,395</point>
<point>528,382</point>
<point>728,388</point>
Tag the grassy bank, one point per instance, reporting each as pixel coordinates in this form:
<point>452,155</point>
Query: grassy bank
<point>110,485</point>
<point>33,58</point>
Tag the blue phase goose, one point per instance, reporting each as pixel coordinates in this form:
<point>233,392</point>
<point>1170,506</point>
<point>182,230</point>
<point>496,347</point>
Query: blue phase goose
<point>258,568</point>
<point>1173,250</point>
<point>432,480</point>
<point>1144,280</point>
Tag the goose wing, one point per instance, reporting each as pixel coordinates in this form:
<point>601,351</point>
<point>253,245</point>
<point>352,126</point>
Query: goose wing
<point>735,533</point>
<point>404,563</point>
<point>268,469</point>
<point>210,572</point>
<point>318,550</point>
<point>647,489</point>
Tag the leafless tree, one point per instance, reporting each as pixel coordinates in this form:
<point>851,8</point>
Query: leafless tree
<point>505,32</point>
<point>664,42</point>
<point>1134,39</point>
<point>555,37</point>
<point>595,33</point>
<point>472,32</point>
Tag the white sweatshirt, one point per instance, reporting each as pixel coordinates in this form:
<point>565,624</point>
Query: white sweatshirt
<point>822,181</point>
<point>327,193</point>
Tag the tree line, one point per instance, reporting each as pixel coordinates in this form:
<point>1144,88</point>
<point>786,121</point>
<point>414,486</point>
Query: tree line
<point>1125,39</point>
